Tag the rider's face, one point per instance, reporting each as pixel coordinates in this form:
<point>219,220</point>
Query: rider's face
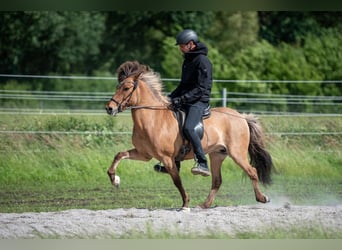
<point>185,48</point>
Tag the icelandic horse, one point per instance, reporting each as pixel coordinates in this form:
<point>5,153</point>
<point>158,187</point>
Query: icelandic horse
<point>156,133</point>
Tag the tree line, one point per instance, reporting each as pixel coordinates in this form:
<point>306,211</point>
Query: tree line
<point>242,45</point>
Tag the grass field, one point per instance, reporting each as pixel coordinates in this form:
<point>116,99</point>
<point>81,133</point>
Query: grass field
<point>51,172</point>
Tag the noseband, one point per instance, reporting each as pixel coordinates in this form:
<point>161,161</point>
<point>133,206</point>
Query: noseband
<point>127,98</point>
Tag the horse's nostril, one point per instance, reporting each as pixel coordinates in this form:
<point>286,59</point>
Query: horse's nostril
<point>109,110</point>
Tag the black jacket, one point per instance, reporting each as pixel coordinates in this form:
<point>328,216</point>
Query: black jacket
<point>196,81</point>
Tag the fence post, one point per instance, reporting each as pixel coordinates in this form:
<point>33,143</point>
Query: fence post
<point>224,97</point>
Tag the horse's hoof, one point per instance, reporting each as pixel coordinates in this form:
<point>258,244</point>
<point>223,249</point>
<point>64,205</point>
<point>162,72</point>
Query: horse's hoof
<point>116,181</point>
<point>185,209</point>
<point>264,200</point>
<point>267,199</point>
<point>203,206</point>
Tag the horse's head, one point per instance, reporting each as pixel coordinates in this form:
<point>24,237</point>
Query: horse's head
<point>123,96</point>
<point>130,74</point>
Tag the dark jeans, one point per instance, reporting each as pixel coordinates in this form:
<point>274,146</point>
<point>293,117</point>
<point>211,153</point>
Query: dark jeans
<point>194,114</point>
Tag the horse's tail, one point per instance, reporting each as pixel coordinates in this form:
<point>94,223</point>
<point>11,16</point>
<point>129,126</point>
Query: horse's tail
<point>259,157</point>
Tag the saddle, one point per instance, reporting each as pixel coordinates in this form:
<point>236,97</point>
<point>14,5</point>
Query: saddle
<point>199,129</point>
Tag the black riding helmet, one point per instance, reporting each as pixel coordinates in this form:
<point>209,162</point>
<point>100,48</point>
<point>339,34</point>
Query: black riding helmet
<point>186,36</point>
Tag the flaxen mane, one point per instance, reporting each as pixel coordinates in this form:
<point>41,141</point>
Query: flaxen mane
<point>146,74</point>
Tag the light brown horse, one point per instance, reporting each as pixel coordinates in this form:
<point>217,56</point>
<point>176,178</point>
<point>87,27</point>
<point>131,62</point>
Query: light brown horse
<point>156,133</point>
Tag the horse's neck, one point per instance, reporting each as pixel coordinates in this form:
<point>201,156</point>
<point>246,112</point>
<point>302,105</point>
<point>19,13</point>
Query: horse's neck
<point>150,120</point>
<point>150,111</point>
<point>140,117</point>
<point>147,98</point>
<point>145,117</point>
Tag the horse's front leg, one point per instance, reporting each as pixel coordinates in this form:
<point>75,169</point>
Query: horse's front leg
<point>132,154</point>
<point>172,169</point>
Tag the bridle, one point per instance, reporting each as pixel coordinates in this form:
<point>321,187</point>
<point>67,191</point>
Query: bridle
<point>127,98</point>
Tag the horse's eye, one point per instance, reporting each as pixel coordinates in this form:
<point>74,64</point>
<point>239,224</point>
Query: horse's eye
<point>126,89</point>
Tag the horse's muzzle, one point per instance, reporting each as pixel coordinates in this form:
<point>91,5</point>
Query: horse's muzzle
<point>111,111</point>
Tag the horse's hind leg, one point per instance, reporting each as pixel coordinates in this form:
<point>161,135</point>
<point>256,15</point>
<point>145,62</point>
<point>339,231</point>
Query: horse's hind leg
<point>216,160</point>
<point>242,160</point>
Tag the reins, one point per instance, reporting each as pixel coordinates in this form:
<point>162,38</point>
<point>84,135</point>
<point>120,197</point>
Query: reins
<point>127,99</point>
<point>159,107</point>
<point>166,108</point>
<point>149,107</point>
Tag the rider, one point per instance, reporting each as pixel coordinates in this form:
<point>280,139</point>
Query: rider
<point>193,92</point>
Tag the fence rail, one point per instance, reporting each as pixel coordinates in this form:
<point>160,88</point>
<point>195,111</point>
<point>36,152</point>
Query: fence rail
<point>242,101</point>
<point>100,96</point>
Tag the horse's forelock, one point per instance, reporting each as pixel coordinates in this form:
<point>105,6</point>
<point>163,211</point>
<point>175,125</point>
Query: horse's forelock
<point>145,73</point>
<point>130,68</point>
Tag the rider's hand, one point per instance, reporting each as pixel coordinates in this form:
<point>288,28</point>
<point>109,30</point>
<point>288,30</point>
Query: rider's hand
<point>176,102</point>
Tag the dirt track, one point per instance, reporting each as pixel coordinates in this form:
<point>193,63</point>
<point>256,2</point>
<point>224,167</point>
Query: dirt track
<point>142,223</point>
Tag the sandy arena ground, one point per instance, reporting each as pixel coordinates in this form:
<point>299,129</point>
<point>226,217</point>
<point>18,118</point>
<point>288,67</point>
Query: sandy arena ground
<point>125,223</point>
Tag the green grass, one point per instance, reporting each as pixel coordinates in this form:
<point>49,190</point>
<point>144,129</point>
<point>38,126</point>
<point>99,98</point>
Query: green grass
<point>41,172</point>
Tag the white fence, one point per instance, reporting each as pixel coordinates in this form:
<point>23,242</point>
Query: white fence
<point>68,101</point>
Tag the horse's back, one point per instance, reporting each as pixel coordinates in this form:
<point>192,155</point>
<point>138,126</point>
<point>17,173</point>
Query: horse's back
<point>226,116</point>
<point>226,126</point>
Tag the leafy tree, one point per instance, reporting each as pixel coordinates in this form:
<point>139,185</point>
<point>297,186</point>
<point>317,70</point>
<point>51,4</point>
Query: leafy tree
<point>232,31</point>
<point>172,59</point>
<point>292,26</point>
<point>41,42</point>
<point>140,35</point>
<point>324,54</point>
<point>286,26</point>
<point>242,45</point>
